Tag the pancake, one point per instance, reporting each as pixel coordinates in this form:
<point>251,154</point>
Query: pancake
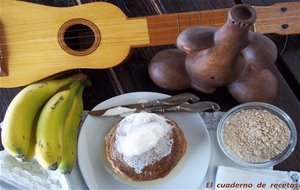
<point>155,163</point>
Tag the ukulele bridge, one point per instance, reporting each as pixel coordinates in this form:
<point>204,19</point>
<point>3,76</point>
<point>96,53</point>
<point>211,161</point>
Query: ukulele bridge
<point>2,72</point>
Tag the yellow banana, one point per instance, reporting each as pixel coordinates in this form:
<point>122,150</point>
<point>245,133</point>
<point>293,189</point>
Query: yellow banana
<point>31,151</point>
<point>18,123</point>
<point>71,128</point>
<point>50,125</point>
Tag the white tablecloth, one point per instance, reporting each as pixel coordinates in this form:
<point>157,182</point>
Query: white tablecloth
<point>220,166</point>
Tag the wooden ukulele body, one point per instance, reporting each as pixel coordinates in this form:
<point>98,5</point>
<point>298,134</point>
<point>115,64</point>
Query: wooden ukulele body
<point>32,47</point>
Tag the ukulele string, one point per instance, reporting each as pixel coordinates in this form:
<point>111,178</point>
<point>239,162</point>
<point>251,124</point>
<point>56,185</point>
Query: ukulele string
<point>200,19</point>
<point>175,27</point>
<point>78,30</point>
<point>285,44</point>
<point>271,19</point>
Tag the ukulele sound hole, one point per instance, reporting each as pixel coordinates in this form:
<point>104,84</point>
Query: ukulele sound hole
<point>79,37</point>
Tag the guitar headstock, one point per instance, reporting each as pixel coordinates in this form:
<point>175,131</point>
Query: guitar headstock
<point>280,18</point>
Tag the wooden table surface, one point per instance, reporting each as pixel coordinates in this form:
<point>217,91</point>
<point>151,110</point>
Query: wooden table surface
<point>132,75</point>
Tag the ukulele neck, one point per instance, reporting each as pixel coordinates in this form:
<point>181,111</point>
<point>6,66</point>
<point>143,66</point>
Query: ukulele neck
<point>164,29</point>
<point>281,18</point>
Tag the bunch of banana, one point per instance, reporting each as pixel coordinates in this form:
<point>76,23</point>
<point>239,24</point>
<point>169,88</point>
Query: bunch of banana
<point>18,129</point>
<point>43,121</point>
<point>57,129</point>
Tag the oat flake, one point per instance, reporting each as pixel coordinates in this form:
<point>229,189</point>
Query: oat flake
<point>256,135</point>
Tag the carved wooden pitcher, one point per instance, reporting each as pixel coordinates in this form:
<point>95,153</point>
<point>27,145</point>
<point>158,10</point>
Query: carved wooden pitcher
<point>231,55</point>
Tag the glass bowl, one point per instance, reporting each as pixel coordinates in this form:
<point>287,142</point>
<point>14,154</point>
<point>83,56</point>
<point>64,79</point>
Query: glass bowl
<point>259,106</point>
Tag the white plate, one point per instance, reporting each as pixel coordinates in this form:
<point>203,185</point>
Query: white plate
<point>188,174</point>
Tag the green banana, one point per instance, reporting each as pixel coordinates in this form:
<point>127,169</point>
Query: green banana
<point>71,128</point>
<point>50,125</point>
<point>19,120</point>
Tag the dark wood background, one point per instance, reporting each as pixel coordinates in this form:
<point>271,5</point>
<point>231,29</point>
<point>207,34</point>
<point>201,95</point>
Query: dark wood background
<point>132,75</point>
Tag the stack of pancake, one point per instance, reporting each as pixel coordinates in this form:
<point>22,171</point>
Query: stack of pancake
<point>155,145</point>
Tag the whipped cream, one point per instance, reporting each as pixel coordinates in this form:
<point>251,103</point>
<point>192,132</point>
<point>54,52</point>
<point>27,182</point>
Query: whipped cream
<point>122,111</point>
<point>143,138</point>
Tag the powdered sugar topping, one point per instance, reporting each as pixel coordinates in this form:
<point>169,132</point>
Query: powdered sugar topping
<point>142,139</point>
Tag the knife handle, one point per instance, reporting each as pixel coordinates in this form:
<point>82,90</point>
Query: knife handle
<point>172,101</point>
<point>196,107</point>
<point>200,106</point>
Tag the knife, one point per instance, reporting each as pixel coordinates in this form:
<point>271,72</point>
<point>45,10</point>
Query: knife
<point>171,101</point>
<point>195,107</point>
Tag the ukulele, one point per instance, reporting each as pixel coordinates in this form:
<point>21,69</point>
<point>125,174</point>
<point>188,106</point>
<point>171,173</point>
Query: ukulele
<point>38,41</point>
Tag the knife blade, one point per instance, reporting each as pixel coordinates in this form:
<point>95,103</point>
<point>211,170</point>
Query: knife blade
<point>171,101</point>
